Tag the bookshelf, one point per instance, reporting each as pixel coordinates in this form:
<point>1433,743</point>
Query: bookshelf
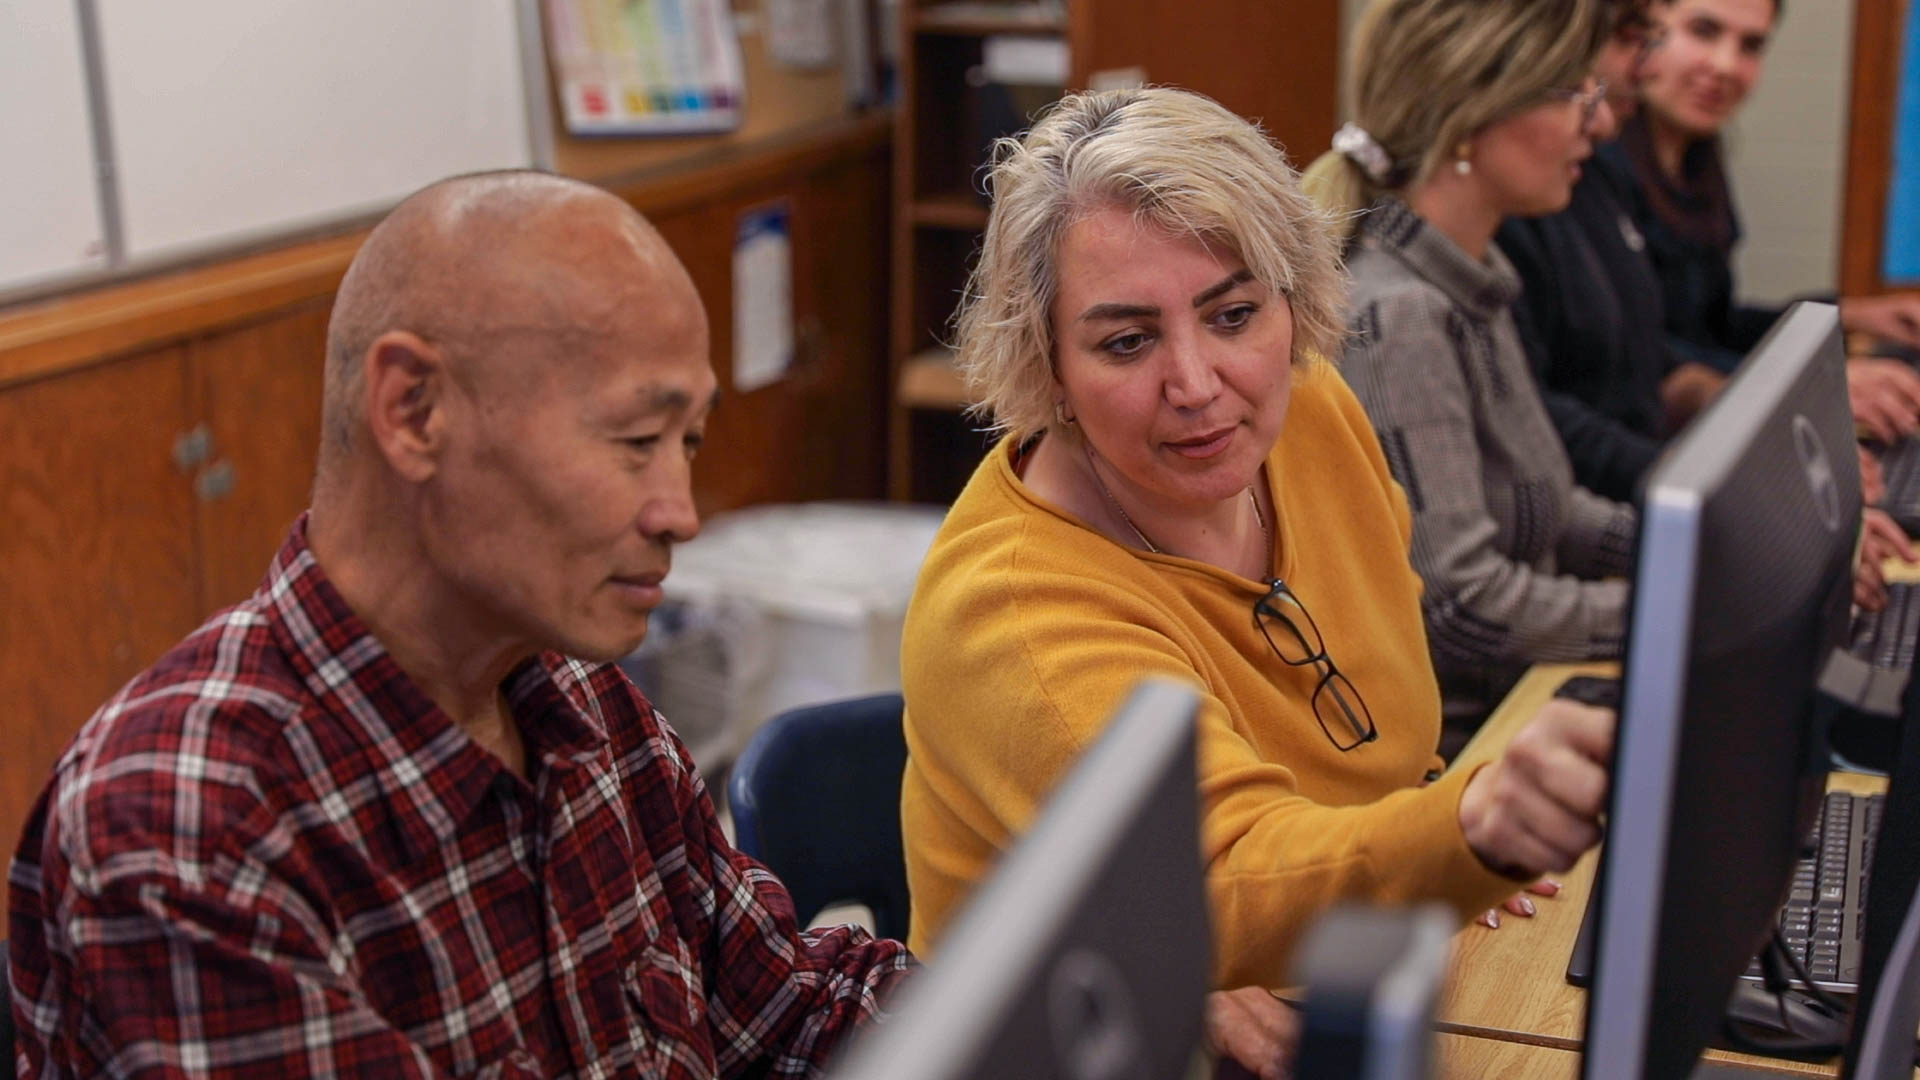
<point>1277,63</point>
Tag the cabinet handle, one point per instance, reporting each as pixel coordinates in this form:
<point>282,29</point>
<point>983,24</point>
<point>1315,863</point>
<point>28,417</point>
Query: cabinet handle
<point>192,448</point>
<point>214,482</point>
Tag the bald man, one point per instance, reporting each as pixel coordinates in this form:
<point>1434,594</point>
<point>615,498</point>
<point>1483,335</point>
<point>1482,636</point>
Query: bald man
<point>396,815</point>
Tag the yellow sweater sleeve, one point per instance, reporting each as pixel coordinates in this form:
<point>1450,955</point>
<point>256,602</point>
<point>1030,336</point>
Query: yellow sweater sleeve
<point>997,715</point>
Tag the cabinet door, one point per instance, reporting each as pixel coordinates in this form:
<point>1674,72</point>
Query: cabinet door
<point>97,567</point>
<point>258,388</point>
<point>818,432</point>
<point>843,269</point>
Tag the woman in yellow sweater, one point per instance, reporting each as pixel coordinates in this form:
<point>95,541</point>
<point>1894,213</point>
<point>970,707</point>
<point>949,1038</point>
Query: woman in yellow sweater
<point>1186,488</point>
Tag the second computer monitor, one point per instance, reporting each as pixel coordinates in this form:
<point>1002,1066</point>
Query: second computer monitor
<point>1747,535</point>
<point>1086,955</point>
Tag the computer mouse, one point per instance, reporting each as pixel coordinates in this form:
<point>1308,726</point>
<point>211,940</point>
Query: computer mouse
<point>1753,1021</point>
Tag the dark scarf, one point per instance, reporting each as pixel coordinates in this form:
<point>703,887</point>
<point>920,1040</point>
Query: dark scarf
<point>1696,205</point>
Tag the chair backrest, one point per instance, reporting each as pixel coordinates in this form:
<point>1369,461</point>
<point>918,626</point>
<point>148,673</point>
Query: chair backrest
<point>816,797</point>
<point>6,1016</point>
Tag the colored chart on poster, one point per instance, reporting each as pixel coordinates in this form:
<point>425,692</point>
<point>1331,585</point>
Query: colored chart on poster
<point>646,67</point>
<point>1903,201</point>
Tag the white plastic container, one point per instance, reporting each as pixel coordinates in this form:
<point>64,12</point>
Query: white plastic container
<point>775,607</point>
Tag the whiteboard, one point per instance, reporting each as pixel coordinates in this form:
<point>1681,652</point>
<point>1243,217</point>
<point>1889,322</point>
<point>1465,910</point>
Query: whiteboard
<point>232,118</point>
<point>50,224</point>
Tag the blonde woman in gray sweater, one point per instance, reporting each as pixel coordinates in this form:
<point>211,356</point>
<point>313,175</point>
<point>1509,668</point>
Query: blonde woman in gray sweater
<point>1466,112</point>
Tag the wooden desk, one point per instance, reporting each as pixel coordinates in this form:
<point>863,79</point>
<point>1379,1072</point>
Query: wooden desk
<point>1509,985</point>
<point>1496,1059</point>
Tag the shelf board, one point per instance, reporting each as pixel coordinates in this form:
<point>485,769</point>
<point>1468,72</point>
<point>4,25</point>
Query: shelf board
<point>949,210</point>
<point>987,17</point>
<point>928,380</point>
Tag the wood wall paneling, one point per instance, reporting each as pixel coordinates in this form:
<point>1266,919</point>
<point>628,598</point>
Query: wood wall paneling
<point>98,575</point>
<point>819,432</point>
<point>852,276</point>
<point>258,389</point>
<point>1293,88</point>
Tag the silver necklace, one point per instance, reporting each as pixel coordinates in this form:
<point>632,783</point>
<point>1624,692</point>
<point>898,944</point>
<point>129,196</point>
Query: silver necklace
<point>1266,534</point>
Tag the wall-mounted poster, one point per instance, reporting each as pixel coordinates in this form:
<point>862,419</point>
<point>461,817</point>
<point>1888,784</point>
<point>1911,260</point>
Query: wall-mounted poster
<point>646,67</point>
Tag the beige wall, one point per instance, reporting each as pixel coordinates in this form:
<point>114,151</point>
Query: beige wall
<point>1788,153</point>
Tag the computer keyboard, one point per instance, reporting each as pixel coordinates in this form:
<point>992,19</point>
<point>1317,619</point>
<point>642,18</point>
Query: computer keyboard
<point>1900,468</point>
<point>1824,918</point>
<point>1886,638</point>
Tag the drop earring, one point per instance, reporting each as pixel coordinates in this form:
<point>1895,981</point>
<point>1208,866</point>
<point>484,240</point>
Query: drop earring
<point>1460,163</point>
<point>1060,415</point>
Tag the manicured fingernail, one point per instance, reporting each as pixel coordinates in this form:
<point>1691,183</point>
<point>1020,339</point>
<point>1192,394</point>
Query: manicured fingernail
<point>1526,905</point>
<point>1551,884</point>
<point>1492,919</point>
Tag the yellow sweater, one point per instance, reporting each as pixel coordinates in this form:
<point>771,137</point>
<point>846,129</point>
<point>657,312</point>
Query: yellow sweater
<point>1028,628</point>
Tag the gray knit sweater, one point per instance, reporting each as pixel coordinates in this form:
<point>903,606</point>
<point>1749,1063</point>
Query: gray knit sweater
<point>1511,550</point>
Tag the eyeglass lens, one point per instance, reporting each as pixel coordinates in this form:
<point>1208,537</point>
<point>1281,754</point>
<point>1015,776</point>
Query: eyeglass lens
<point>1295,637</point>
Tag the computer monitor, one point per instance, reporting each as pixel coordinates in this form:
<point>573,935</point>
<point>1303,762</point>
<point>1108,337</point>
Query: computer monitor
<point>1886,1011</point>
<point>1748,528</point>
<point>1086,955</point>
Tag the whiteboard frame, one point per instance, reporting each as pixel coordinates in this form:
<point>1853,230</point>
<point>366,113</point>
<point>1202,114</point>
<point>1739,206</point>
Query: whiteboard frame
<point>536,102</point>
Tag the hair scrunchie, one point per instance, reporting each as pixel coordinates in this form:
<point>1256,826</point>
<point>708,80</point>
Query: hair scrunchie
<point>1353,143</point>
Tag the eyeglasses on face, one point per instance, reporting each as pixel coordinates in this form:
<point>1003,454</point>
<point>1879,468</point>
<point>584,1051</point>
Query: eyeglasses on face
<point>1295,638</point>
<point>1645,38</point>
<point>1587,95</point>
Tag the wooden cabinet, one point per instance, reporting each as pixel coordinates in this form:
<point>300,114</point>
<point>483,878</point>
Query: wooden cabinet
<point>820,432</point>
<point>257,391</point>
<point>1274,62</point>
<point>142,495</point>
<point>158,438</point>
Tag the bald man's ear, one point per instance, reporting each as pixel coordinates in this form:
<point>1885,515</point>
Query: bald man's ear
<point>406,399</point>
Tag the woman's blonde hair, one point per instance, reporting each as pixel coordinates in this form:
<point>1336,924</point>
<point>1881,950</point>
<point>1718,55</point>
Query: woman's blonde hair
<point>1425,75</point>
<point>1180,162</point>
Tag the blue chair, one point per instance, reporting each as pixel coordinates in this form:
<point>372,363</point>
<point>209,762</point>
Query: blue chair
<point>816,797</point>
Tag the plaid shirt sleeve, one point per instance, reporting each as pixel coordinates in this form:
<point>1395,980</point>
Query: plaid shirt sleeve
<point>780,1001</point>
<point>179,962</point>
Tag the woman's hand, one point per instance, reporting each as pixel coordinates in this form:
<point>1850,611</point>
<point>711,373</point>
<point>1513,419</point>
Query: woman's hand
<point>1894,317</point>
<point>1519,903</point>
<point>1873,481</point>
<point>1881,538</point>
<point>1688,389</point>
<point>1537,808</point>
<point>1885,396</point>
<point>1253,1030</point>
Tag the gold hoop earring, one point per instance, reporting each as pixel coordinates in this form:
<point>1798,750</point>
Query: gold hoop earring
<point>1060,415</point>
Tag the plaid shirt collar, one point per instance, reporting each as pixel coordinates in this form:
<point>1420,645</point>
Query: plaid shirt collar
<point>1483,288</point>
<point>416,753</point>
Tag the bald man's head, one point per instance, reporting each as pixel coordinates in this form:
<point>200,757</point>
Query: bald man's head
<point>492,266</point>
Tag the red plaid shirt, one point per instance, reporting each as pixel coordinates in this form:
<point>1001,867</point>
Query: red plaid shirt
<point>271,855</point>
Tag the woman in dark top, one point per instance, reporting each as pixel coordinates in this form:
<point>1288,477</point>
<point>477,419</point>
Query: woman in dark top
<point>1590,315</point>
<point>1670,167</point>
